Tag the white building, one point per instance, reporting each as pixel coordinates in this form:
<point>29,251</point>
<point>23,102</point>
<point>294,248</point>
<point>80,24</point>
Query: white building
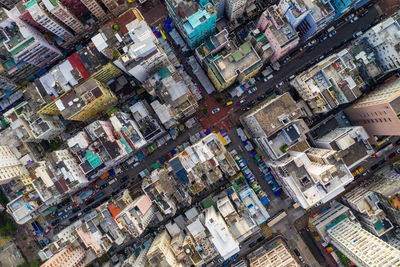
<point>135,215</point>
<point>41,16</point>
<point>10,166</point>
<point>384,38</point>
<point>276,256</point>
<point>221,237</point>
<point>26,44</point>
<point>66,164</point>
<point>316,175</point>
<point>360,246</point>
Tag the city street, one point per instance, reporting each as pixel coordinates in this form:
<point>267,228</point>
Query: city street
<point>303,58</point>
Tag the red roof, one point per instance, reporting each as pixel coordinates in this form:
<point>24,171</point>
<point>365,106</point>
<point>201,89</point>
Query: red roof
<point>122,21</point>
<point>77,64</point>
<point>113,210</point>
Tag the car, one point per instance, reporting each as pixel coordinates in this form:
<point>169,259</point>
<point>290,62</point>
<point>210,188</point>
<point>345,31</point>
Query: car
<point>86,209</point>
<point>354,19</point>
<point>99,195</point>
<point>322,39</point>
<point>74,218</point>
<point>42,244</point>
<point>251,103</point>
<point>103,186</point>
<point>216,110</point>
<point>309,49</point>
<point>290,78</point>
<point>65,216</point>
<point>55,222</point>
<point>60,213</point>
<point>261,97</point>
<point>124,179</point>
<point>366,172</point>
<point>261,238</point>
<point>373,167</point>
<point>357,177</point>
<point>226,262</point>
<point>269,91</point>
<point>370,5</point>
<point>279,85</point>
<point>364,13</point>
<point>234,257</point>
<point>252,90</point>
<point>252,244</point>
<point>241,101</point>
<point>296,252</point>
<point>331,34</point>
<point>301,259</point>
<point>123,186</point>
<point>75,210</point>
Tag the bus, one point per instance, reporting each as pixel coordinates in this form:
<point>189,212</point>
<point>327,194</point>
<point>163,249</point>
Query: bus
<point>276,218</point>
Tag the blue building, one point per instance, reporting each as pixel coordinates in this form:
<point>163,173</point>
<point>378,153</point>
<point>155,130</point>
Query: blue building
<point>196,21</point>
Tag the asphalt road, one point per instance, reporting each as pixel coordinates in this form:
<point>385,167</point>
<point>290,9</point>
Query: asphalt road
<point>301,59</point>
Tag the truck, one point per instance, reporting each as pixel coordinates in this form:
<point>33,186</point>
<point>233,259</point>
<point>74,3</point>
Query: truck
<point>241,134</point>
<point>268,70</point>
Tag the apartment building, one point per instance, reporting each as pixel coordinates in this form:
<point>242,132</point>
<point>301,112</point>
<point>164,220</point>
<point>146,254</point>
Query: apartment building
<point>280,34</point>
<point>221,236</point>
<point>351,143</point>
<point>384,40</point>
<point>332,82</point>
<point>61,12</point>
<point>26,44</point>
<point>40,15</point>
<point>10,167</point>
<point>71,255</point>
<point>235,9</point>
<point>212,45</point>
<point>177,101</point>
<point>378,111</point>
<point>236,63</point>
<point>273,256</point>
<point>196,21</point>
<point>276,127</point>
<point>364,204</point>
<point>160,253</point>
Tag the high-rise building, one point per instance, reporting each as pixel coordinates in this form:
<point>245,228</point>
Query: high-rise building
<point>196,21</point>
<point>95,9</point>
<point>24,43</point>
<point>40,15</point>
<point>63,14</point>
<point>221,237</point>
<point>280,33</point>
<point>21,12</point>
<point>160,253</point>
<point>6,83</point>
<point>8,4</point>
<point>275,255</point>
<point>364,204</point>
<point>384,39</point>
<point>71,255</point>
<point>77,7</point>
<point>234,9</point>
<point>332,82</point>
<point>115,7</point>
<point>360,246</point>
<point>10,166</point>
<point>378,112</point>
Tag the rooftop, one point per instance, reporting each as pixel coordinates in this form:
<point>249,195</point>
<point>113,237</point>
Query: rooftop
<point>243,59</point>
<point>387,93</point>
<point>271,115</point>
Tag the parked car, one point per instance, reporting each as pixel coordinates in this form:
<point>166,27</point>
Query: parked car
<point>72,219</point>
<point>123,186</point>
<point>296,252</point>
<point>65,216</point>
<point>261,97</point>
<point>42,244</point>
<point>103,186</point>
<point>365,12</point>
<point>251,103</point>
<point>252,244</point>
<point>215,110</point>
<point>124,179</point>
<point>252,90</point>
<point>331,34</point>
<point>241,101</point>
<point>354,19</point>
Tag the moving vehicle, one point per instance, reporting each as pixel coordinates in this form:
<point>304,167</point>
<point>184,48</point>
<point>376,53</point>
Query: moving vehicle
<point>227,104</point>
<point>215,110</point>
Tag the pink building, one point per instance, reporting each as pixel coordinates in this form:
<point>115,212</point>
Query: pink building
<point>71,255</point>
<point>90,240</point>
<point>280,33</point>
<point>378,111</point>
